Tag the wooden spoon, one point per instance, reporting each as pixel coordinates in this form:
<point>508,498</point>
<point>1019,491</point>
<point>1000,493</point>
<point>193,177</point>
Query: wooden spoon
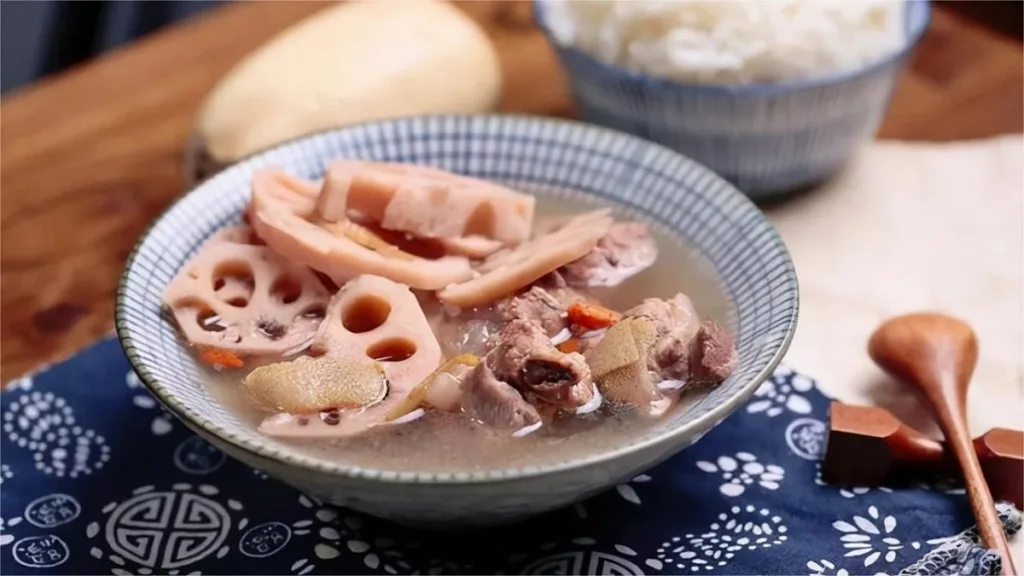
<point>937,354</point>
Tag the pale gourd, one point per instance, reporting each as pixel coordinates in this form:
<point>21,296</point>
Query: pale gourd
<point>354,62</point>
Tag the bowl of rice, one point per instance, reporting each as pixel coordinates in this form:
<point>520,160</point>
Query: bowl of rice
<point>774,95</point>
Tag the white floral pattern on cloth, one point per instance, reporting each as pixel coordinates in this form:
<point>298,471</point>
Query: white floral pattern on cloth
<point>162,422</point>
<point>6,538</point>
<point>785,391</point>
<point>45,425</point>
<point>743,470</point>
<point>943,484</point>
<point>873,536</point>
<point>742,528</point>
<point>626,491</point>
<point>826,568</point>
<point>682,517</point>
<point>847,491</point>
<point>23,383</point>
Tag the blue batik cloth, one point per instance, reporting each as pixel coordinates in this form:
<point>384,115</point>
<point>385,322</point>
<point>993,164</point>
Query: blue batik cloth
<point>97,479</point>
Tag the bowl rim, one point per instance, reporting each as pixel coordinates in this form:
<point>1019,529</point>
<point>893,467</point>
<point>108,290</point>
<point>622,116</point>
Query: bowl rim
<point>759,89</point>
<point>301,461</point>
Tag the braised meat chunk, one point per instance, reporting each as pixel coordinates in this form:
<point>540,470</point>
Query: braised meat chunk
<point>713,357</point>
<point>623,252</point>
<point>536,306</point>
<point>495,403</point>
<point>526,359</point>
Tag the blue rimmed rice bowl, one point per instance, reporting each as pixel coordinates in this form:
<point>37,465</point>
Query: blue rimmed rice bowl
<point>767,139</point>
<point>548,158</point>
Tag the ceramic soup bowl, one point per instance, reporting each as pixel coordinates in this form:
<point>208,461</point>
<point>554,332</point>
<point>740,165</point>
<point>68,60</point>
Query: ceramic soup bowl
<point>583,164</point>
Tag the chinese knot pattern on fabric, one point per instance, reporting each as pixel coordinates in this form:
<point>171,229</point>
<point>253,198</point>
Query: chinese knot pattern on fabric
<point>97,479</point>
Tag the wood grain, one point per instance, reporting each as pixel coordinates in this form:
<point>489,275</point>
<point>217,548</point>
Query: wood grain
<point>937,354</point>
<point>90,157</point>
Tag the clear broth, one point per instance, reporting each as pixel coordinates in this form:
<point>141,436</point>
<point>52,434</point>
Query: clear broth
<point>451,442</point>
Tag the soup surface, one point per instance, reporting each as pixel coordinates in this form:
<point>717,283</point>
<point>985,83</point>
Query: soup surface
<point>460,433</point>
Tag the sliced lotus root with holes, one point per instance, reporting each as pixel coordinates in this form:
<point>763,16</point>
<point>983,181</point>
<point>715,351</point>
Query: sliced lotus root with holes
<point>506,272</point>
<point>426,202</point>
<point>370,318</point>
<point>302,195</point>
<point>339,249</point>
<point>246,299</point>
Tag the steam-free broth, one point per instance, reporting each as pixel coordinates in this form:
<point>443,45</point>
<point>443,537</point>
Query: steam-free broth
<point>453,441</point>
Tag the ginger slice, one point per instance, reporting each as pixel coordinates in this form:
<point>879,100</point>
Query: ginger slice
<point>619,362</point>
<point>506,272</point>
<point>282,225</point>
<point>306,385</point>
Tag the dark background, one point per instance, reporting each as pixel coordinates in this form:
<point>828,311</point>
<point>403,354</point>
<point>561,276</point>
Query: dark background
<point>40,37</point>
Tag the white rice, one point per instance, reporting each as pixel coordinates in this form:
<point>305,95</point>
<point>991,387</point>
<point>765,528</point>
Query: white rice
<point>731,41</point>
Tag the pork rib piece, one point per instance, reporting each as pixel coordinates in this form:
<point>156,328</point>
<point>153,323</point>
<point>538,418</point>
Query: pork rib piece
<point>494,402</point>
<point>626,250</point>
<point>525,358</point>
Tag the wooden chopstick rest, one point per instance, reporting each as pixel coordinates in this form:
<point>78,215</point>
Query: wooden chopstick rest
<point>868,446</point>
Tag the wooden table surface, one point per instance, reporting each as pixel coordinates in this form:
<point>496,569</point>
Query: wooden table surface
<point>90,157</point>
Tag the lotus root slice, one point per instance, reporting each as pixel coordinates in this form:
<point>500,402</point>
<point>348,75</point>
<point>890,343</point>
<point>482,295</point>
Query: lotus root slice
<point>246,299</point>
<point>338,249</point>
<point>370,318</point>
<point>508,271</point>
<point>373,318</point>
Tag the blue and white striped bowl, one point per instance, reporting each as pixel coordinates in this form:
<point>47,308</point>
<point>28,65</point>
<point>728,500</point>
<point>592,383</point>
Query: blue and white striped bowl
<point>764,138</point>
<point>548,158</point>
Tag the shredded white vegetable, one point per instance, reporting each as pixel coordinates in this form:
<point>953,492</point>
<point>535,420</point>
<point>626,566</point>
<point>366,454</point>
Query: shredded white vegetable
<point>526,430</point>
<point>668,385</point>
<point>561,337</point>
<point>593,404</point>
<point>411,416</point>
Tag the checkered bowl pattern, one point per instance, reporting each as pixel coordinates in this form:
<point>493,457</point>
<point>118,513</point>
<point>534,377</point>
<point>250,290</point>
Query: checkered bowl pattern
<point>543,157</point>
<point>766,139</point>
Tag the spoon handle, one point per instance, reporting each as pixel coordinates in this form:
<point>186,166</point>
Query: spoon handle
<point>953,423</point>
<point>938,353</point>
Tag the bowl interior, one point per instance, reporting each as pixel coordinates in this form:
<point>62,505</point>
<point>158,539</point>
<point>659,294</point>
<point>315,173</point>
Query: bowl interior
<point>544,157</point>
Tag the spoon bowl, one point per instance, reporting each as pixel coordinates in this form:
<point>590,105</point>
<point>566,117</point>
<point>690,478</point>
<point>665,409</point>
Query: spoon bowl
<point>938,353</point>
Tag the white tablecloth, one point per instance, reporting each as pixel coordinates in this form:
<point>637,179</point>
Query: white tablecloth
<point>914,227</point>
